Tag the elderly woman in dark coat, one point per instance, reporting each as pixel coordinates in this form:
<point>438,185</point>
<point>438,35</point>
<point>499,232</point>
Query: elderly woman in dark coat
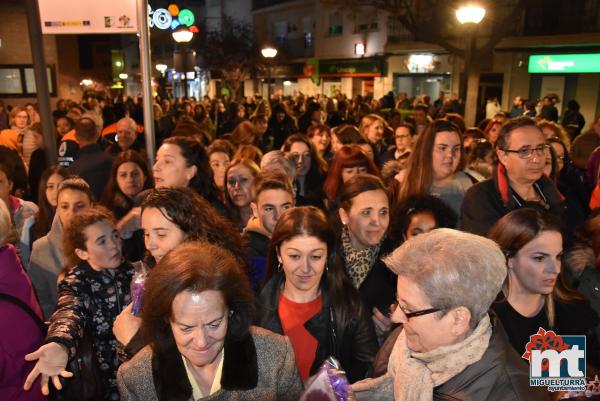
<point>450,348</point>
<point>196,315</point>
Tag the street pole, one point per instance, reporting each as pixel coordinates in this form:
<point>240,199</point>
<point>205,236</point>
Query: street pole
<point>269,81</point>
<point>144,38</point>
<point>36,41</point>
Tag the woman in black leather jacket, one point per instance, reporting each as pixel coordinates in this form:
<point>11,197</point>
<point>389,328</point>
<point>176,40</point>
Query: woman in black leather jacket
<point>308,297</point>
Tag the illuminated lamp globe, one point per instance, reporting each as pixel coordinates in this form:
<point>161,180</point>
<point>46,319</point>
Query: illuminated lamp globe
<point>161,68</point>
<point>269,52</point>
<point>123,76</point>
<point>183,34</point>
<point>471,14</point>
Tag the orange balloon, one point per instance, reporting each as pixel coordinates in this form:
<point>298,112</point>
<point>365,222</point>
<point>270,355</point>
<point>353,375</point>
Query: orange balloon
<point>173,9</point>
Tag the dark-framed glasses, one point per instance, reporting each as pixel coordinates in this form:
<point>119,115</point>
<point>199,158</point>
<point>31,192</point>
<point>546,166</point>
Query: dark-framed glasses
<point>526,153</point>
<point>418,313</point>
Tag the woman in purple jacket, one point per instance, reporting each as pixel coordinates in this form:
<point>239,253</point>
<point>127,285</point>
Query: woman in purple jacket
<point>20,326</point>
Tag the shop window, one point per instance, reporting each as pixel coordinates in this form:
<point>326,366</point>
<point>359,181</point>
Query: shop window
<point>366,21</point>
<point>281,31</point>
<point>308,40</point>
<point>336,24</point>
<point>396,30</point>
<point>19,81</point>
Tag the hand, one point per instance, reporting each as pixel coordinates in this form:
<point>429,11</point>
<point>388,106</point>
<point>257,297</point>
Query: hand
<point>382,323</point>
<point>130,223</point>
<point>126,325</point>
<point>52,360</point>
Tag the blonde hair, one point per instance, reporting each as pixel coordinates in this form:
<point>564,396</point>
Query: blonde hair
<point>6,227</point>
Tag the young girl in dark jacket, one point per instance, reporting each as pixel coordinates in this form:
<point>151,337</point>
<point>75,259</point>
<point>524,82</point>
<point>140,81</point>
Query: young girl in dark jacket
<point>90,296</point>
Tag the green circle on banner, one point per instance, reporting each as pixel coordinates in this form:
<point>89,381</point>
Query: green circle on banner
<point>186,17</point>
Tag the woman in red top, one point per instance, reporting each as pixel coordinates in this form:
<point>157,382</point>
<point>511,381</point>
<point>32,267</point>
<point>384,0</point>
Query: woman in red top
<point>308,298</point>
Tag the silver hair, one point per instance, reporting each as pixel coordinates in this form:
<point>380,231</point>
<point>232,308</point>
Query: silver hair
<point>130,121</point>
<point>452,268</point>
<point>276,160</point>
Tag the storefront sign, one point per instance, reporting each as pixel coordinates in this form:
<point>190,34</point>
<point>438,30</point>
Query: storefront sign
<point>564,63</point>
<point>352,68</point>
<point>76,16</point>
<point>421,63</point>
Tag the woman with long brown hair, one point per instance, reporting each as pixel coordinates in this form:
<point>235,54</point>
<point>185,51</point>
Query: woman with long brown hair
<point>534,294</point>
<point>435,166</point>
<point>310,170</point>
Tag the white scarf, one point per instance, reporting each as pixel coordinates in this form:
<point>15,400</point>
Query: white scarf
<point>415,374</point>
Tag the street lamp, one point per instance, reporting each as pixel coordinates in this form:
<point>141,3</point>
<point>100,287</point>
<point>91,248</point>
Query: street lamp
<point>269,52</point>
<point>469,15</point>
<point>182,34</point>
<point>161,68</point>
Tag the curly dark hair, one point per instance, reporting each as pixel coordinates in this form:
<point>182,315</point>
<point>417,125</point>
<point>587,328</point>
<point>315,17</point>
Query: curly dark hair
<point>197,219</point>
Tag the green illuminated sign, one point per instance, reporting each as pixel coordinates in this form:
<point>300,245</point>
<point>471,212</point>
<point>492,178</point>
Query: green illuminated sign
<point>564,63</point>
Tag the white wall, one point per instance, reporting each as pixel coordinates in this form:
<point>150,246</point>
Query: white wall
<point>342,46</point>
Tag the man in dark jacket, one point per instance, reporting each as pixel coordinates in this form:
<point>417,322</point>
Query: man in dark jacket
<point>273,195</point>
<point>518,180</point>
<point>91,164</point>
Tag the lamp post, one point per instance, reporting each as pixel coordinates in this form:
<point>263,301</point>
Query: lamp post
<point>183,35</point>
<point>470,16</point>
<point>269,52</point>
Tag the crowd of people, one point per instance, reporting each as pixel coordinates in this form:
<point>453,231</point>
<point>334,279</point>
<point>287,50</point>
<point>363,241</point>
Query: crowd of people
<point>268,236</point>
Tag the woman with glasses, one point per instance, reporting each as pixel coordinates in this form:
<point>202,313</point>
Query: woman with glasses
<point>518,180</point>
<point>450,347</point>
<point>435,166</point>
<point>577,196</point>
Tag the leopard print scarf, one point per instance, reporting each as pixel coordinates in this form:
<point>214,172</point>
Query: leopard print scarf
<point>358,263</point>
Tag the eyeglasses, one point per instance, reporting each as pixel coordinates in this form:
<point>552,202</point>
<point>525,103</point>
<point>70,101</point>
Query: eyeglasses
<point>418,313</point>
<point>526,153</point>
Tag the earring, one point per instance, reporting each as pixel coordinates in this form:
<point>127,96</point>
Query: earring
<point>279,266</point>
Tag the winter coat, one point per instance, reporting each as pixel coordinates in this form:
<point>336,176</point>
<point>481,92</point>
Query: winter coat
<point>353,344</point>
<point>89,301</point>
<point>258,367</point>
<point>378,289</point>
<point>47,260</point>
<point>486,202</point>
<point>580,269</point>
<point>258,241</point>
<point>500,375</point>
<point>17,340</point>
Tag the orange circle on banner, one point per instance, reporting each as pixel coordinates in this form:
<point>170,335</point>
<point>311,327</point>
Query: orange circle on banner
<point>174,10</point>
<point>194,29</point>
